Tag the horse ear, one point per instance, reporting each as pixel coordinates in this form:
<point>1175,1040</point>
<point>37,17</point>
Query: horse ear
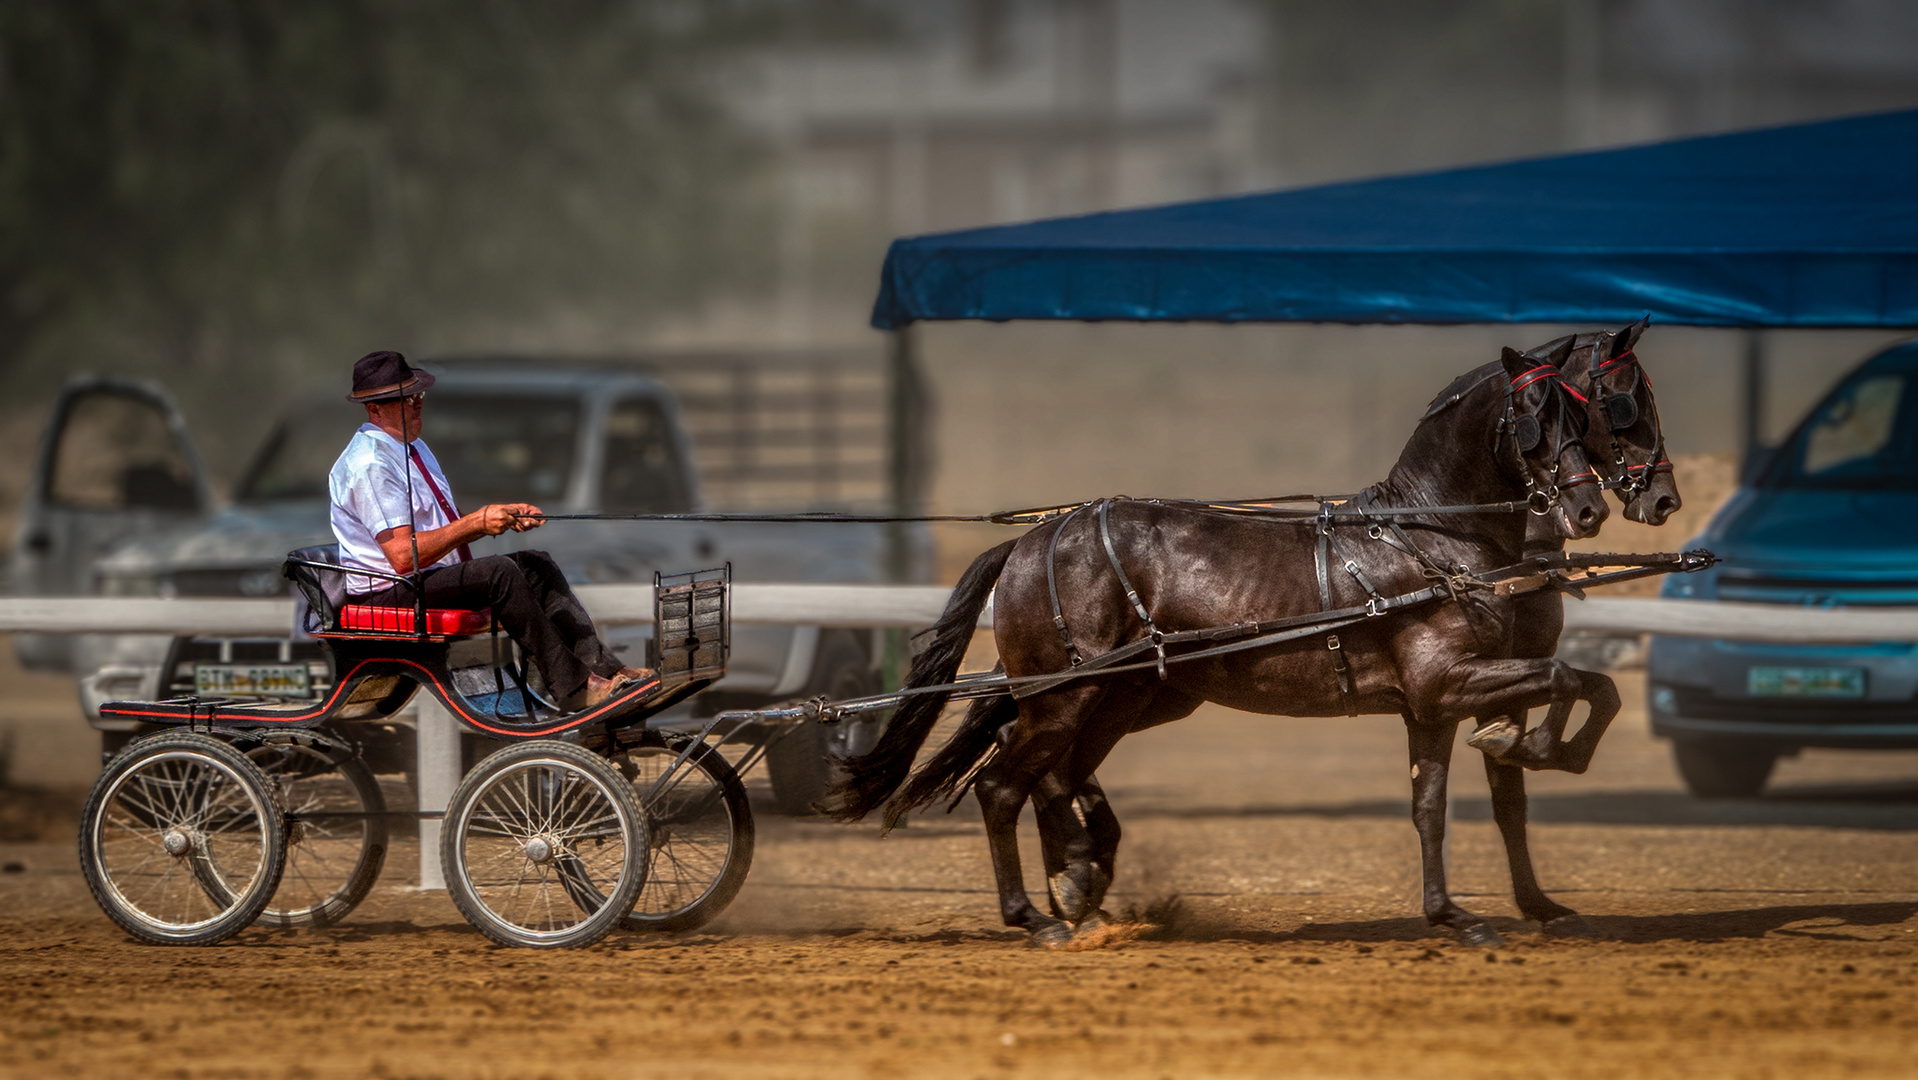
<point>1627,338</point>
<point>1543,354</point>
<point>1566,347</point>
<point>1516,363</point>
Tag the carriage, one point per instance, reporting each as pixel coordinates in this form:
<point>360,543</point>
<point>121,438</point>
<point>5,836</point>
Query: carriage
<point>232,811</point>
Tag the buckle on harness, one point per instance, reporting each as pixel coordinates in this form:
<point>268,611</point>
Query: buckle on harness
<point>1372,607</point>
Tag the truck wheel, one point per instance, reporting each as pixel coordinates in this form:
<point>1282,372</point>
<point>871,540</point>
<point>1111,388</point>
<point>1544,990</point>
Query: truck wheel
<point>800,758</point>
<point>1715,769</point>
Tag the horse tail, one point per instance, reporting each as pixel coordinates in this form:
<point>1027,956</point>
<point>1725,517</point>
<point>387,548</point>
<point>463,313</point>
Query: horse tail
<point>951,769</point>
<point>861,784</point>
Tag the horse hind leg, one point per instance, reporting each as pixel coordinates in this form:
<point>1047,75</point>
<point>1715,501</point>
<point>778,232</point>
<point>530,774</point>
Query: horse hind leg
<point>1088,831</point>
<point>1075,883</point>
<point>1042,736</point>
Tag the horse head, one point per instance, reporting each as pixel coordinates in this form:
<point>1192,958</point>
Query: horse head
<point>1622,435</point>
<point>1542,433</point>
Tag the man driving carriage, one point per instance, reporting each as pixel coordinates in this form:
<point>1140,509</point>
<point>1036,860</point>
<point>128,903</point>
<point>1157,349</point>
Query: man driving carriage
<point>392,509</point>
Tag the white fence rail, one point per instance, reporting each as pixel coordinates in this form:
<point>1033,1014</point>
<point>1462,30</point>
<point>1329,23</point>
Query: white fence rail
<point>915,606</point>
<point>904,606</point>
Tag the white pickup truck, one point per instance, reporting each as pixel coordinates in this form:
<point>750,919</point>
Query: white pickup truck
<point>121,507</point>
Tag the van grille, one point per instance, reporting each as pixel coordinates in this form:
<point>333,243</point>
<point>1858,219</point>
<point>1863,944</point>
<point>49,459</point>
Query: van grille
<point>1705,705</point>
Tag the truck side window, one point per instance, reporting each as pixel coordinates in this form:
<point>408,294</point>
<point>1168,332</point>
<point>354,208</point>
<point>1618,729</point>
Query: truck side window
<point>115,453</point>
<point>643,473</point>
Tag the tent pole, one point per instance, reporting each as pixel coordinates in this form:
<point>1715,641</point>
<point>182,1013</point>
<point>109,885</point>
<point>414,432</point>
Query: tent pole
<point>1753,420</point>
<point>904,468</point>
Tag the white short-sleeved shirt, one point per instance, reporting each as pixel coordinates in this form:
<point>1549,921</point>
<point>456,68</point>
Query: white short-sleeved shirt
<point>368,486</point>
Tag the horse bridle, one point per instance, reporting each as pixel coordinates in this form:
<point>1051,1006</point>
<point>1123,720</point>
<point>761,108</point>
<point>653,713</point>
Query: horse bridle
<point>1620,412</point>
<point>1527,431</point>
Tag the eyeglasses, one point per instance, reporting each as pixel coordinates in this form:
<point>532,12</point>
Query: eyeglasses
<point>415,399</point>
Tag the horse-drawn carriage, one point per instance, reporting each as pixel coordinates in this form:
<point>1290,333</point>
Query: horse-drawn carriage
<point>1433,594</point>
<point>235,810</point>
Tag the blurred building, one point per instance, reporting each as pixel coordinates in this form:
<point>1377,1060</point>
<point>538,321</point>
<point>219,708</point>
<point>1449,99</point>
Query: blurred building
<point>978,112</point>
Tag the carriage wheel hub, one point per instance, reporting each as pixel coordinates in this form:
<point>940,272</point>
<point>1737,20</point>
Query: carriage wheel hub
<point>176,842</point>
<point>541,849</point>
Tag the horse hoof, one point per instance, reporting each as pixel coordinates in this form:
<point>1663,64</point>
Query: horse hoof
<point>1570,926</point>
<point>1480,935</point>
<point>1050,935</point>
<point>1495,739</point>
<point>1069,902</point>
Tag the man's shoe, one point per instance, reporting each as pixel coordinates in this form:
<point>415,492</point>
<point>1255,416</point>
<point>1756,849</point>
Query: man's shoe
<point>636,674</point>
<point>595,692</point>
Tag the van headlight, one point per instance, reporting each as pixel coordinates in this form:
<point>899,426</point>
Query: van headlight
<point>1664,699</point>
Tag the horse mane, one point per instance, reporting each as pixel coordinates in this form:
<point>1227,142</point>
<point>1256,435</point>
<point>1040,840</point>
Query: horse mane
<point>1456,390</point>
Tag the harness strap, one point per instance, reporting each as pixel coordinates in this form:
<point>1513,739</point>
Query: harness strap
<point>1325,543</point>
<point>1052,588</point>
<point>1131,594</point>
<point>1271,632</point>
<point>1322,556</point>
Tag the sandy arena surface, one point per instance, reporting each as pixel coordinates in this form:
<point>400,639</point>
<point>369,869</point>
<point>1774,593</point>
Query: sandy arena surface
<point>1772,937</point>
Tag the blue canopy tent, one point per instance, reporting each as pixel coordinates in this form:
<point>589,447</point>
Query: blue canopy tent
<point>1813,225</point>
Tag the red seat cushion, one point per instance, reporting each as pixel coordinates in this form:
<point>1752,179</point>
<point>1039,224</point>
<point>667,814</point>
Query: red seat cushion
<point>443,621</point>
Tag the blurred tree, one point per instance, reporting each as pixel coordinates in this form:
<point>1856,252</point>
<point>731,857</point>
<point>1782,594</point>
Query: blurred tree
<point>1366,86</point>
<point>224,190</point>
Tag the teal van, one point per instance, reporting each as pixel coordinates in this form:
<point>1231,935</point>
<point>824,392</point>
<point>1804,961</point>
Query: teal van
<point>1828,519</point>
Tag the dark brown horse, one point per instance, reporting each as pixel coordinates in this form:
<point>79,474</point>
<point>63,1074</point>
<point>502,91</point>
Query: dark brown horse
<point>1626,443</point>
<point>1509,431</point>
<point>1622,430</point>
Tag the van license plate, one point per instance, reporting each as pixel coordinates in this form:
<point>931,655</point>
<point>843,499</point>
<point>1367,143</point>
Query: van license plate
<point>1815,682</point>
<point>251,680</point>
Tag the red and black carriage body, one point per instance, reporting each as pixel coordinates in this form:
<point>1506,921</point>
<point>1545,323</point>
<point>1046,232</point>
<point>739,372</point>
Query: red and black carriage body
<point>382,655</point>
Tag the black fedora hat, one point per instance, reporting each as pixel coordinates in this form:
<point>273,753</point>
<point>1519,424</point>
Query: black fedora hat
<point>386,376</point>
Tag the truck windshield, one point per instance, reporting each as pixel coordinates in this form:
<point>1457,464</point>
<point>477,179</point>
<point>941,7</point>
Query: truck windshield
<point>492,449</point>
<point>1864,438</point>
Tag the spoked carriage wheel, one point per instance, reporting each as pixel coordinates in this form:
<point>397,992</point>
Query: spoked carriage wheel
<point>701,829</point>
<point>544,846</point>
<point>336,831</point>
<point>182,840</point>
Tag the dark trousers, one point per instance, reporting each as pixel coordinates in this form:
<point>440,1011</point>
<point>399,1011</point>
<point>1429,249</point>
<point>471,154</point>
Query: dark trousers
<point>531,600</point>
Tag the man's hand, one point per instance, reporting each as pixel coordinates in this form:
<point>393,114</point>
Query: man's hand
<point>435,543</point>
<point>499,517</point>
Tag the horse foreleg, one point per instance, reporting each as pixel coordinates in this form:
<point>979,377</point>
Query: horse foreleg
<point>1601,693</point>
<point>1545,746</point>
<point>1430,747</point>
<point>1509,810</point>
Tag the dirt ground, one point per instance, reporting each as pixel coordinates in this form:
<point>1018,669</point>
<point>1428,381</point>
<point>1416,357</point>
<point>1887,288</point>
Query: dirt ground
<point>1760,938</point>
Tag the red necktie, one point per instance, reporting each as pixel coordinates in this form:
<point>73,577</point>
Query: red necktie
<point>452,515</point>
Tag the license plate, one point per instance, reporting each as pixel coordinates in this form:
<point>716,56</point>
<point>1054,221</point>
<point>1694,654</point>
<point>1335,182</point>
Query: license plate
<point>251,680</point>
<point>1813,682</point>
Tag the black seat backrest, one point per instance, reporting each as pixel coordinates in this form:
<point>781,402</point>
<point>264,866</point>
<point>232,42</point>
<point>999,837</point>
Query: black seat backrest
<point>324,591</point>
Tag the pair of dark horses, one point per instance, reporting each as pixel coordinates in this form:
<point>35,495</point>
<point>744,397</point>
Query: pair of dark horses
<point>1551,427</point>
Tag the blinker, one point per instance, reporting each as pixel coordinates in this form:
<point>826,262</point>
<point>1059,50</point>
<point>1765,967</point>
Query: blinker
<point>1621,411</point>
<point>1527,433</point>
